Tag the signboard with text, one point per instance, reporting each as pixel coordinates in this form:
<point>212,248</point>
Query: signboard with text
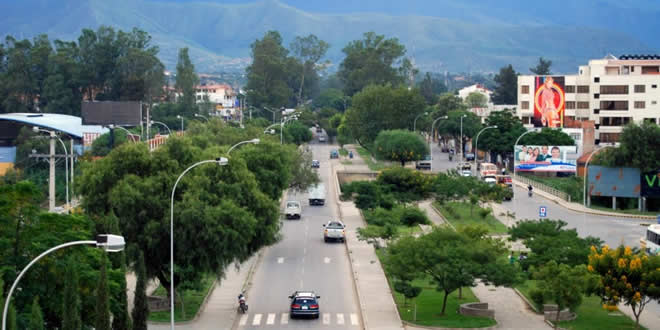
<point>650,184</point>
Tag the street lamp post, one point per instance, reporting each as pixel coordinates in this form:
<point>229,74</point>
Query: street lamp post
<point>282,126</point>
<point>431,139</point>
<point>463,116</point>
<point>476,143</point>
<point>125,130</point>
<point>222,161</point>
<point>180,117</point>
<point>161,123</point>
<point>66,160</point>
<point>200,116</point>
<point>110,243</point>
<point>253,141</point>
<point>513,197</point>
<point>415,121</point>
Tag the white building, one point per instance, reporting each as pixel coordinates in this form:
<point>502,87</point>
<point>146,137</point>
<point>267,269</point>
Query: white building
<point>478,88</point>
<point>222,96</point>
<point>610,91</point>
<point>490,107</point>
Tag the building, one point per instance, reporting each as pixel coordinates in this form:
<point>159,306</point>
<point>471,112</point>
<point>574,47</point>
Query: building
<point>611,92</point>
<point>476,88</point>
<point>483,112</point>
<point>222,97</point>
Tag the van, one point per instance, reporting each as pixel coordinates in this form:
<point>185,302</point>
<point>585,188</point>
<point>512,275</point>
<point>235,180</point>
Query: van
<point>424,164</point>
<point>317,194</point>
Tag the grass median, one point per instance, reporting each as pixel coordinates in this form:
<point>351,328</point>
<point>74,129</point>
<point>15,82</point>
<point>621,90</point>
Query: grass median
<point>192,301</point>
<point>366,156</point>
<point>458,214</point>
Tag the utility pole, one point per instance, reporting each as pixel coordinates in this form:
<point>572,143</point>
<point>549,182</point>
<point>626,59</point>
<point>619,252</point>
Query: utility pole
<point>51,179</point>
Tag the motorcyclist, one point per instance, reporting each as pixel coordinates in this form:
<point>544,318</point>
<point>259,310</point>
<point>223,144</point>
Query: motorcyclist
<point>529,190</point>
<point>242,305</point>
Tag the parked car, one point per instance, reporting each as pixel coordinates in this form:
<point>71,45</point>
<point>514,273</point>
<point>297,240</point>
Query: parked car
<point>316,163</point>
<point>334,153</point>
<point>335,230</point>
<point>304,303</point>
<point>424,164</point>
<point>293,210</point>
<point>321,138</point>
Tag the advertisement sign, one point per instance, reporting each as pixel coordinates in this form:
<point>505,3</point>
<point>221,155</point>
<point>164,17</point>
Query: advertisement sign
<point>650,183</point>
<point>613,181</point>
<point>120,113</point>
<point>549,101</point>
<point>534,158</point>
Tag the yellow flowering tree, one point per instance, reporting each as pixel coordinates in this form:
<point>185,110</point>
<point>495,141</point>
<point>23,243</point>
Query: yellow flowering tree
<point>625,276</point>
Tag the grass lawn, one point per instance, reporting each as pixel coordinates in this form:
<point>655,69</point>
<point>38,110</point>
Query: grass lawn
<point>461,217</point>
<point>343,152</point>
<point>429,305</point>
<point>366,156</point>
<point>405,230</point>
<point>346,162</point>
<point>571,185</point>
<point>591,314</point>
<point>192,300</point>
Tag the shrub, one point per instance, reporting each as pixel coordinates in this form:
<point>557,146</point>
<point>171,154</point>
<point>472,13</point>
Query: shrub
<point>381,217</point>
<point>537,297</point>
<point>411,216</point>
<point>483,213</point>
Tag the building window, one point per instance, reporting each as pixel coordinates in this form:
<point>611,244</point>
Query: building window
<point>596,79</point>
<point>583,89</point>
<point>654,102</point>
<point>596,96</point>
<point>614,121</point>
<point>654,86</point>
<point>619,89</point>
<point>576,136</point>
<point>640,88</point>
<point>583,105</point>
<point>570,89</point>
<point>570,104</point>
<point>609,137</point>
<point>650,69</point>
<point>526,120</point>
<point>524,105</point>
<point>614,105</point>
<point>524,89</point>
<point>640,105</point>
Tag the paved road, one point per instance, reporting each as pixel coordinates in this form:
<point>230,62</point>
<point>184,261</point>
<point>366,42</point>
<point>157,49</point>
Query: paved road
<point>302,261</point>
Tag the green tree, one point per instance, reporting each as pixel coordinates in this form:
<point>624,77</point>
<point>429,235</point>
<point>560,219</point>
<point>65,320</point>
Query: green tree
<point>452,126</point>
<point>71,304</point>
<point>36,317</point>
<point>404,184</point>
<point>344,133</point>
<point>400,146</point>
<point>309,50</point>
<point>506,91</point>
<point>267,76</point>
<point>639,148</point>
<point>407,290</point>
<point>371,61</point>
<point>476,100</point>
<point>140,312</point>
<point>297,133</point>
<point>563,285</point>
<point>186,80</point>
<point>12,319</point>
<point>63,87</point>
<point>333,98</point>
<point>548,137</point>
<point>430,88</point>
<point>542,68</point>
<point>500,140</point>
<point>120,316</point>
<point>102,314</point>
<point>448,102</point>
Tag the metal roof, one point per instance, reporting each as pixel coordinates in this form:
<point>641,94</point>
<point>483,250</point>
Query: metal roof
<point>70,125</point>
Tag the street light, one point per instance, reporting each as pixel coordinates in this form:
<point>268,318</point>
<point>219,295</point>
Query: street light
<point>463,116</point>
<point>66,160</point>
<point>109,243</point>
<point>284,123</point>
<point>431,140</point>
<point>253,141</point>
<point>476,141</point>
<point>415,121</point>
<point>200,116</point>
<point>161,123</point>
<point>125,130</point>
<point>513,197</point>
<point>222,161</point>
<point>180,117</point>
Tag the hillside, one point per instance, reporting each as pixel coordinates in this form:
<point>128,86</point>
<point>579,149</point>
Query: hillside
<point>469,37</point>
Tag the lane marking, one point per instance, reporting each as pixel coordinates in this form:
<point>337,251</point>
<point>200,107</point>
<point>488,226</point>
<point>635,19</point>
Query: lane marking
<point>340,318</point>
<point>280,260</point>
<point>285,318</point>
<point>243,320</point>
<point>257,319</point>
<point>304,250</point>
<point>271,318</point>
<point>354,319</point>
<point>326,260</point>
<point>326,318</point>
<point>301,284</point>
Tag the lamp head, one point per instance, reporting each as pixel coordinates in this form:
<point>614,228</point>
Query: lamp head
<point>151,122</point>
<point>178,116</point>
<point>110,243</point>
<point>35,129</point>
<point>255,141</point>
<point>222,161</point>
<point>494,126</point>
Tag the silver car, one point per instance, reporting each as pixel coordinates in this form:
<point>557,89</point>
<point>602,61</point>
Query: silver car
<point>335,230</point>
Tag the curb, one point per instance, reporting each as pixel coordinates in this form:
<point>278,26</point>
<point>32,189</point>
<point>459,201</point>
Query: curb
<point>409,324</point>
<point>201,308</point>
<point>529,303</point>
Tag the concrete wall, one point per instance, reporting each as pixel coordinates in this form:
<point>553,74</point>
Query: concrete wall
<point>348,177</point>
<point>477,309</point>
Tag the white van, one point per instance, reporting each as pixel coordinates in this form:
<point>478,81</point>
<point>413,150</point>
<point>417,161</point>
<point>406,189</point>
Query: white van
<point>317,194</point>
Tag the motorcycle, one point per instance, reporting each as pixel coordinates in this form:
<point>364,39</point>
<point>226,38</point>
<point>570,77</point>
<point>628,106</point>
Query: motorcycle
<point>242,305</point>
<point>529,192</point>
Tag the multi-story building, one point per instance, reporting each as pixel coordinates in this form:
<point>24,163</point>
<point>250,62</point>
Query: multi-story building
<point>222,98</point>
<point>610,91</point>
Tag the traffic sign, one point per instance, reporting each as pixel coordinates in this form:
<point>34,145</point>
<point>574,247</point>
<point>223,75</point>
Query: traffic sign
<point>543,212</point>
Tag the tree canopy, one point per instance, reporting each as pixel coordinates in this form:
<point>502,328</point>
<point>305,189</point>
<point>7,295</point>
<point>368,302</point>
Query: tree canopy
<point>548,136</point>
<point>506,90</point>
<point>500,140</point>
<point>639,148</point>
<point>400,146</point>
<point>186,80</point>
<point>542,68</point>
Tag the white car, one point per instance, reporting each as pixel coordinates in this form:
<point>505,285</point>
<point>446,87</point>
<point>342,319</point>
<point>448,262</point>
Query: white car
<point>466,173</point>
<point>490,180</point>
<point>321,138</point>
<point>334,231</point>
<point>293,210</point>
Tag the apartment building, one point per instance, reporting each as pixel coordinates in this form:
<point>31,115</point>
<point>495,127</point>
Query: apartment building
<point>610,91</point>
<point>221,96</point>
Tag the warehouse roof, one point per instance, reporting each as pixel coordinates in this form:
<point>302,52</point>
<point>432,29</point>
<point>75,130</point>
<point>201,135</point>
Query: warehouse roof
<point>70,125</point>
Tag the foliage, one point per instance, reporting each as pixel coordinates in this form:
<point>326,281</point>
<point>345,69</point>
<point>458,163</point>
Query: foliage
<point>625,276</point>
<point>449,187</point>
<point>405,184</point>
<point>377,108</point>
<point>297,133</point>
<point>370,61</point>
<point>547,137</point>
<point>572,185</point>
<point>367,195</point>
<point>344,133</point>
<point>400,145</point>
<point>430,88</point>
<point>121,318</point>
<point>501,139</point>
<point>36,317</point>
<point>303,175</point>
<point>562,285</point>
<point>101,145</point>
<point>412,216</point>
<point>452,125</point>
<point>451,259</point>
<point>407,290</point>
<point>71,303</point>
<point>458,215</point>
<point>140,311</point>
<point>102,314</point>
<point>476,100</point>
<point>309,50</point>
<point>267,75</point>
<point>449,102</point>
<point>506,91</point>
<point>542,68</point>
<point>186,81</point>
<point>639,148</point>
<point>333,98</point>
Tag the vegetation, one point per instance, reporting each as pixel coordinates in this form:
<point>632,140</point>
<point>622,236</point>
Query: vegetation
<point>639,148</point>
<point>572,185</point>
<point>366,156</point>
<point>186,80</point>
<point>500,140</point>
<point>452,126</point>
<point>548,136</point>
<point>459,215</point>
<point>506,91</point>
<point>542,68</point>
<point>400,146</point>
<point>308,50</point>
<point>191,299</point>
<point>140,312</point>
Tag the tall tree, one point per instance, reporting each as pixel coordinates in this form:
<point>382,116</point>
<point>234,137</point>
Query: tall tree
<point>63,87</point>
<point>542,67</point>
<point>400,146</point>
<point>186,80</point>
<point>71,304</point>
<point>431,88</point>
<point>121,315</point>
<point>500,140</point>
<point>102,314</point>
<point>268,74</point>
<point>471,124</point>
<point>36,317</point>
<point>449,102</point>
<point>506,91</point>
<point>140,311</point>
<point>548,136</point>
<point>563,285</point>
<point>371,61</point>
<point>309,50</point>
<point>639,148</point>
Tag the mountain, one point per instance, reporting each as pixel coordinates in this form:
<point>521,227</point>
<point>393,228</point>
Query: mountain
<point>467,35</point>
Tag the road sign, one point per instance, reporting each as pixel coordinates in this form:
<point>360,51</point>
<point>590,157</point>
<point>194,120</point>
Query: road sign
<point>543,212</point>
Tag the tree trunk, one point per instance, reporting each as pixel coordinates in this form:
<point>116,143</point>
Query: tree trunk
<point>164,281</point>
<point>444,303</point>
<point>460,293</point>
<point>302,83</point>
<point>403,163</point>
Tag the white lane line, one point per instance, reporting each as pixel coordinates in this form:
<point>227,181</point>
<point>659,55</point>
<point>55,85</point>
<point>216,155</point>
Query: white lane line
<point>271,318</point>
<point>326,260</point>
<point>285,318</point>
<point>243,320</point>
<point>304,250</point>
<point>301,284</point>
<point>340,319</point>
<point>280,260</point>
<point>257,319</point>
<point>354,319</point>
<point>326,318</point>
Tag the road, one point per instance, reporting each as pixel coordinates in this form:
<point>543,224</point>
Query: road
<point>302,261</point>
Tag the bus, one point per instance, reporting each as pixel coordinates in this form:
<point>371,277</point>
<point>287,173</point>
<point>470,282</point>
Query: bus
<point>487,170</point>
<point>651,243</point>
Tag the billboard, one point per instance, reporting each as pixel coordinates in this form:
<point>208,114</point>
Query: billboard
<point>650,183</point>
<point>613,181</point>
<point>549,101</point>
<point>537,158</point>
<point>110,112</point>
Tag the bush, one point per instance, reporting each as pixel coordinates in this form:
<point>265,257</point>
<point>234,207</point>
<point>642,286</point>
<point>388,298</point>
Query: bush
<point>405,184</point>
<point>381,217</point>
<point>411,216</point>
<point>483,213</point>
<point>537,298</point>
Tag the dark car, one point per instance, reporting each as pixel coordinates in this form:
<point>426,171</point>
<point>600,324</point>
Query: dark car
<point>316,164</point>
<point>304,303</point>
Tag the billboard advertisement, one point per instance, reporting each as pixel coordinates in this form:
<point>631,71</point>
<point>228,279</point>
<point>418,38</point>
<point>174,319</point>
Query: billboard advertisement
<point>650,183</point>
<point>537,158</point>
<point>549,101</point>
<point>613,181</point>
<point>121,113</point>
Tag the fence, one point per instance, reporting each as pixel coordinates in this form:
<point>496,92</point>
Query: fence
<point>542,187</point>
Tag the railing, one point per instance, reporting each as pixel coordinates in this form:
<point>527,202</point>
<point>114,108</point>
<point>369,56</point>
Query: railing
<point>542,187</point>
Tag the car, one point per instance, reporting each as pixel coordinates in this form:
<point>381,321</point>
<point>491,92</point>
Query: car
<point>304,303</point>
<point>469,157</point>
<point>334,153</point>
<point>321,138</point>
<point>293,210</point>
<point>316,163</point>
<point>466,173</point>
<point>424,164</point>
<point>335,230</point>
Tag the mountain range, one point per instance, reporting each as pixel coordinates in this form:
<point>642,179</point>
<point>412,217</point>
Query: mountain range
<point>439,35</point>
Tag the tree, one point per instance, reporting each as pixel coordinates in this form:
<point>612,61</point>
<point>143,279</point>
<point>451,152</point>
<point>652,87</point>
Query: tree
<point>430,88</point>
<point>121,315</point>
<point>12,319</point>
<point>500,140</point>
<point>506,91</point>
<point>140,311</point>
<point>451,259</point>
<point>449,102</point>
<point>548,137</point>
<point>71,304</point>
<point>474,200</point>
<point>407,290</point>
<point>563,285</point>
<point>36,317</point>
<point>333,98</point>
<point>102,314</point>
<point>400,146</point>
<point>378,108</point>
<point>370,61</point>
<point>297,133</point>
<point>476,100</point>
<point>309,51</point>
<point>452,126</point>
<point>186,80</point>
<point>344,133</point>
<point>625,276</point>
<point>267,76</point>
<point>639,148</point>
<point>542,68</point>
<point>404,184</point>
